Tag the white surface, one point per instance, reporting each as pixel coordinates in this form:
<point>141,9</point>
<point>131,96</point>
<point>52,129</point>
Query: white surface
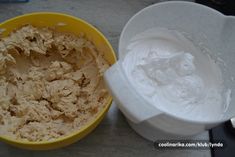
<point>113,137</point>
<point>123,94</point>
<point>172,74</point>
<point>233,122</point>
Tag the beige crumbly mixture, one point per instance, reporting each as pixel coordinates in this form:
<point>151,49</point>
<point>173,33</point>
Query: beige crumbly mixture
<point>50,83</point>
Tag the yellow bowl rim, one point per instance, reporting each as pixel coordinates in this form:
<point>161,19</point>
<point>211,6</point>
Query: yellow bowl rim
<point>99,115</point>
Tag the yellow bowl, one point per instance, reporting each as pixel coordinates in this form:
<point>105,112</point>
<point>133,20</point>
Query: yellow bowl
<point>64,23</point>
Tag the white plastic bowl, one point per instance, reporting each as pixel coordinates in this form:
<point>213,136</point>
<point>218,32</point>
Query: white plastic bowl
<point>204,25</point>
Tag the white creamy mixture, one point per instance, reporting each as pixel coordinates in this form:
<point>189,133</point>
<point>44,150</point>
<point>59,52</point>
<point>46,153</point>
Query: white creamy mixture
<point>170,72</point>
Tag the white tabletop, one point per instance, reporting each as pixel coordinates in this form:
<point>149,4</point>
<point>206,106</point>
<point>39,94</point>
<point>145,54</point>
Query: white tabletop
<point>113,137</point>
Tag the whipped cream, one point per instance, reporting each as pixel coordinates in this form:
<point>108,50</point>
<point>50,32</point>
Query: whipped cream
<point>171,73</point>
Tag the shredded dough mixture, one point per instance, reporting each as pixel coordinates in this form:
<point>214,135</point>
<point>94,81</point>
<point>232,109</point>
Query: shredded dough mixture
<point>50,83</point>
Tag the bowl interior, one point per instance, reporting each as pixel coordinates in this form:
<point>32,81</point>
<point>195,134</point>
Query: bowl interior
<point>69,24</point>
<point>204,25</point>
